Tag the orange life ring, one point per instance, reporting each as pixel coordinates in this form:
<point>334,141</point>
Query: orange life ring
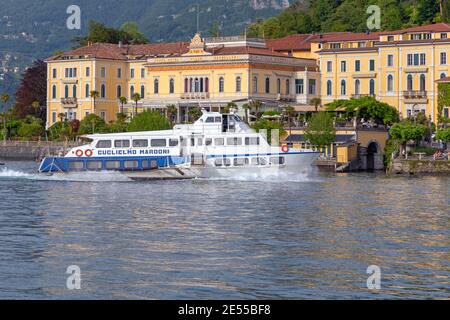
<point>79,153</point>
<point>88,153</point>
<point>285,148</point>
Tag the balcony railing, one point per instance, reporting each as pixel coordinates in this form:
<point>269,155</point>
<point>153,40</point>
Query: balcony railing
<point>195,95</point>
<point>69,101</point>
<point>359,95</point>
<point>414,94</point>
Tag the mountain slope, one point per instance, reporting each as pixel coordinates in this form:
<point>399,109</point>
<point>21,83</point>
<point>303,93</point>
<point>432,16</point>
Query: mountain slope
<point>32,29</point>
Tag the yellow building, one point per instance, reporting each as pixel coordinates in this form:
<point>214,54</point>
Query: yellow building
<point>206,73</point>
<point>399,67</point>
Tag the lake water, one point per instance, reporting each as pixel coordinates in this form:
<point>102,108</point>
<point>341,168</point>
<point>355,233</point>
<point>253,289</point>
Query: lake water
<point>308,236</point>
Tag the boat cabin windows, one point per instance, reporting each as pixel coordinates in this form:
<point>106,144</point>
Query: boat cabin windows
<point>277,160</point>
<point>219,141</point>
<point>173,142</point>
<point>94,165</point>
<point>259,161</point>
<point>112,165</point>
<point>131,164</point>
<point>240,162</point>
<point>103,144</point>
<point>153,164</point>
<point>140,143</point>
<point>235,141</point>
<point>252,141</point>
<point>210,120</point>
<point>76,165</point>
<point>159,143</point>
<point>121,143</point>
<point>208,142</point>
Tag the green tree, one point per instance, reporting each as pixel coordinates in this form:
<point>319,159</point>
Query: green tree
<point>316,102</point>
<point>92,124</point>
<point>99,33</point>
<point>172,112</point>
<point>404,132</point>
<point>194,114</point>
<point>4,98</point>
<point>229,106</point>
<point>443,135</point>
<point>120,125</point>
<point>136,98</point>
<point>256,105</point>
<point>131,30</point>
<point>268,125</point>
<point>289,111</point>
<point>149,121</point>
<point>122,101</point>
<point>320,131</point>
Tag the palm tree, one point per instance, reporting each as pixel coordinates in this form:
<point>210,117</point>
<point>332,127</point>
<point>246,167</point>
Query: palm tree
<point>257,106</point>
<point>229,106</point>
<point>195,113</point>
<point>171,111</point>
<point>4,98</point>
<point>316,102</point>
<point>246,107</point>
<point>122,101</point>
<point>94,95</point>
<point>136,98</point>
<point>289,111</point>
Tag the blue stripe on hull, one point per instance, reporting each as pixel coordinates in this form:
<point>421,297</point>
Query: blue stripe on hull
<point>62,164</point>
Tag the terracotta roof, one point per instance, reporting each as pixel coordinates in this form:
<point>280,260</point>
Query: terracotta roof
<point>301,41</point>
<point>115,52</point>
<point>347,36</point>
<point>436,27</point>
<point>444,80</point>
<point>176,49</point>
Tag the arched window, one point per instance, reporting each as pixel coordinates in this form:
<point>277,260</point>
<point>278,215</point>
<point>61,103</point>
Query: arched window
<point>255,84</point>
<point>443,75</point>
<point>53,92</point>
<point>410,82</point>
<point>156,86</point>
<point>390,83</point>
<point>74,91</point>
<point>207,85</point>
<point>202,85</point>
<point>103,91</point>
<point>186,85</point>
<point>329,88</point>
<point>66,91</point>
<point>278,86</point>
<point>119,91</point>
<point>267,85</point>
<point>87,91</point>
<point>238,84</point>
<point>357,87</point>
<point>142,92</point>
<point>343,88</point>
<point>191,85</point>
<point>171,86</point>
<point>197,85</point>
<point>221,84</point>
<point>422,82</point>
<point>372,87</point>
<point>288,87</point>
<point>131,92</point>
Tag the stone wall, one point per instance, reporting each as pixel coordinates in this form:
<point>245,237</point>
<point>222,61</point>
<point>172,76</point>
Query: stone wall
<point>419,167</point>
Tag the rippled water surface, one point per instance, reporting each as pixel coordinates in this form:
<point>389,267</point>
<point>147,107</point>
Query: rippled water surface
<point>298,237</point>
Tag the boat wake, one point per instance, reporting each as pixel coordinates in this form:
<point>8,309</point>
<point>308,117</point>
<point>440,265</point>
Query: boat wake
<point>6,173</point>
<point>279,177</point>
